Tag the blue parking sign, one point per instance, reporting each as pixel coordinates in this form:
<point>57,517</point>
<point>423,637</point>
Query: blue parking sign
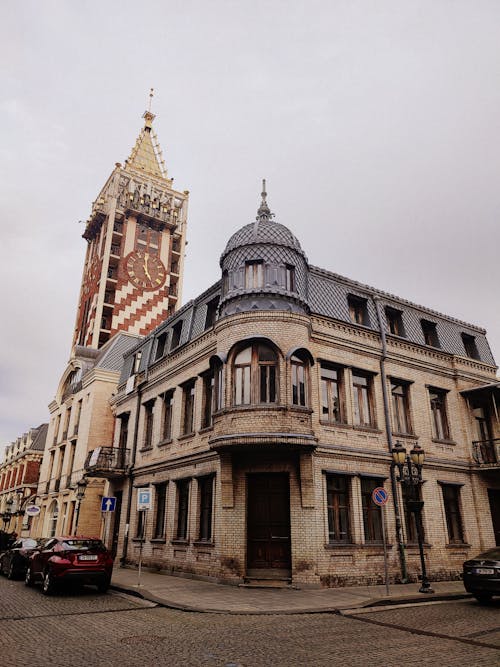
<point>144,498</point>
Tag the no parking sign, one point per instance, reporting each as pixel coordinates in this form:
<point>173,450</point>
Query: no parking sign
<point>380,496</point>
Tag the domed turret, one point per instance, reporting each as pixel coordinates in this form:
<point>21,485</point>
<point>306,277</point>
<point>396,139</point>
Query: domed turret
<point>263,267</point>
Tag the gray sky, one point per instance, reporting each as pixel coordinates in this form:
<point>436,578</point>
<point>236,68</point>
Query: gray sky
<point>376,124</point>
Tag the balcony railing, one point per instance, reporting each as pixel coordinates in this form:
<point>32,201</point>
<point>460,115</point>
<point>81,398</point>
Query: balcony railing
<point>487,452</point>
<point>107,462</point>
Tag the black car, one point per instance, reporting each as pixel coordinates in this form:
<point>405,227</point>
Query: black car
<point>14,561</point>
<point>482,575</point>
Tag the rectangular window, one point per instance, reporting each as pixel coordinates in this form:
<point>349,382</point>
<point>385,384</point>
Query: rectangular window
<point>429,330</point>
<point>208,399</point>
<point>161,342</point>
<point>470,346</point>
<point>77,417</point>
<point>188,408</point>
<point>440,430</point>
<point>254,275</point>
<point>409,517</point>
<point>161,503</point>
<point>148,425</point>
<point>211,313</point>
<point>290,278</point>
<point>358,310</point>
<point>124,419</point>
<point>205,487</point>
<point>395,321</point>
<point>331,394</point>
<point>400,392</point>
<point>362,392</point>
<point>372,515</point>
<point>337,498</point>
<point>168,406</point>
<point>451,500</point>
<point>176,335</point>
<point>182,509</point>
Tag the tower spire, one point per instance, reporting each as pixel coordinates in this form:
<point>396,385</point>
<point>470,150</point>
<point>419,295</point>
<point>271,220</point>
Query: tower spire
<point>146,155</point>
<point>264,212</point>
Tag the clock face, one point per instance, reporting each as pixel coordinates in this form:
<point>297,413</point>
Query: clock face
<point>145,270</point>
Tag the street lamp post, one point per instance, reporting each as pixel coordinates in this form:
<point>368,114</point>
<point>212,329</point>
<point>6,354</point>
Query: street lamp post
<point>80,495</point>
<point>7,515</point>
<point>409,467</point>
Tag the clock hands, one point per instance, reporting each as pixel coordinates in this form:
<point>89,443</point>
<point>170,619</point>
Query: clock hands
<point>146,262</point>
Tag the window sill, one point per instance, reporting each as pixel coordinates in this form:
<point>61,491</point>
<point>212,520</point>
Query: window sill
<point>366,429</point>
<point>300,408</point>
<point>414,545</point>
<point>335,424</point>
<point>158,540</point>
<point>354,545</point>
<point>145,449</point>
<point>254,406</point>
<point>458,545</point>
<point>201,543</point>
<point>184,543</point>
<point>186,436</point>
<point>205,429</point>
<point>443,442</point>
<point>164,443</point>
<point>408,436</point>
<point>138,540</point>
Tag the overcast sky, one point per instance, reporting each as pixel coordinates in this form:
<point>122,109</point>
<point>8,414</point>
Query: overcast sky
<point>376,124</point>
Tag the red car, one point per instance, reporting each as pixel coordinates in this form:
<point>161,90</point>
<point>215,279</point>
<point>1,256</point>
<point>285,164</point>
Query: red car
<point>65,560</point>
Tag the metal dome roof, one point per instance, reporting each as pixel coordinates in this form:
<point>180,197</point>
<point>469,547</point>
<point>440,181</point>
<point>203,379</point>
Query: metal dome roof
<point>263,231</point>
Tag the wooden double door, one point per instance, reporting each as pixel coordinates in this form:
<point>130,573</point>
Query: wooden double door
<point>268,521</point>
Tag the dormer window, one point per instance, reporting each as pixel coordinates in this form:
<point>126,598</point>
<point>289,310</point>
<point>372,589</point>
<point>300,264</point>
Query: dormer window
<point>160,345</point>
<point>358,310</point>
<point>290,278</point>
<point>470,346</point>
<point>254,275</point>
<point>395,321</point>
<point>176,335</point>
<point>429,329</point>
<point>211,313</point>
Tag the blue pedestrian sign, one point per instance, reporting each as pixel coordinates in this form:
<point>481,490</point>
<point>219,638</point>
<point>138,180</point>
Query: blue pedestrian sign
<point>108,504</point>
<point>380,496</point>
<point>144,498</point>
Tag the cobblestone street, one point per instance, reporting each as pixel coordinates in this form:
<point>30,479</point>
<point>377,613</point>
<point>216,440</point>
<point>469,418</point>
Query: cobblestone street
<point>78,629</point>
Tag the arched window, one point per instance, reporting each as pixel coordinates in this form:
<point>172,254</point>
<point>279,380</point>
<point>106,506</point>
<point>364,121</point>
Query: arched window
<point>255,375</point>
<point>299,380</point>
<point>52,516</point>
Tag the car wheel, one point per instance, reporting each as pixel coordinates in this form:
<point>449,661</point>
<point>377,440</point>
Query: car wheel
<point>48,584</point>
<point>11,573</point>
<point>103,586</point>
<point>28,579</point>
<point>483,598</point>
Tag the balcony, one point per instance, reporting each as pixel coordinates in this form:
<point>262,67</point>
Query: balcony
<point>108,462</point>
<point>486,453</point>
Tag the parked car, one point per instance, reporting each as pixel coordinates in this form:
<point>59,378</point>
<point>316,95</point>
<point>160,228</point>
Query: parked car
<point>14,561</point>
<point>482,575</point>
<point>66,560</point>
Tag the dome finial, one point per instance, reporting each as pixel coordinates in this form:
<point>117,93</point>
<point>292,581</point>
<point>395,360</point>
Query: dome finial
<point>263,212</point>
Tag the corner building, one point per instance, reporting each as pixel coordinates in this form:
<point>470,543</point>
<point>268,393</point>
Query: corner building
<point>257,416</point>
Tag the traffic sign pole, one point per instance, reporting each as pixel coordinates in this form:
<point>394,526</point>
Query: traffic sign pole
<point>380,497</point>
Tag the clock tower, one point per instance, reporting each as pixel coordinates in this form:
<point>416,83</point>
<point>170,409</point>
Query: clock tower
<point>136,234</point>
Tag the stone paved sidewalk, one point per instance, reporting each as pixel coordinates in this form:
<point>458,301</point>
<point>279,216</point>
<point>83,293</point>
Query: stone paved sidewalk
<point>192,595</point>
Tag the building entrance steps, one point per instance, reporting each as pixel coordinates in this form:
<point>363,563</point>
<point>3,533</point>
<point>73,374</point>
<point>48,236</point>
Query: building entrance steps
<point>192,595</point>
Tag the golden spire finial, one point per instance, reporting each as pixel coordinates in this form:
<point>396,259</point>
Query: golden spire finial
<point>149,115</point>
<point>151,93</point>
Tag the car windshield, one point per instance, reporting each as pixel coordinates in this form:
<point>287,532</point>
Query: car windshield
<point>79,545</point>
<point>492,554</point>
<point>28,544</point>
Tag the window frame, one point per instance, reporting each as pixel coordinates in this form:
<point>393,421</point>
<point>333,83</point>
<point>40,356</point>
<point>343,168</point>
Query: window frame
<point>148,406</point>
<point>430,333</point>
<point>167,415</point>
<point>358,310</point>
<point>395,324</point>
<point>298,366</point>
<point>372,527</point>
<point>363,399</point>
<point>254,274</point>
<point>470,346</point>
<point>160,524</point>
<point>326,392</point>
<point>440,428</point>
<point>262,375</point>
<point>335,507</point>
<point>453,513</point>
<point>183,498</point>
<point>188,407</point>
<point>400,403</point>
<point>206,509</point>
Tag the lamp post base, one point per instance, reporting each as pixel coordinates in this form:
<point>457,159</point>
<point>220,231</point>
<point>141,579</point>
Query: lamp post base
<point>426,588</point>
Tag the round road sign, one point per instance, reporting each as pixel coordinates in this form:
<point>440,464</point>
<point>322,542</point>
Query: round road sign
<point>380,496</point>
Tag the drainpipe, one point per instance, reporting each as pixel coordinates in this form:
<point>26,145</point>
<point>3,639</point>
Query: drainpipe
<point>388,430</point>
<point>134,451</point>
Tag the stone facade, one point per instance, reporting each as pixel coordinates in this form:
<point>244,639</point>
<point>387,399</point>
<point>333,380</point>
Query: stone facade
<point>263,413</point>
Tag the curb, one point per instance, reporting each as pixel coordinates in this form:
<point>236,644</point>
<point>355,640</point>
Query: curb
<point>373,603</point>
